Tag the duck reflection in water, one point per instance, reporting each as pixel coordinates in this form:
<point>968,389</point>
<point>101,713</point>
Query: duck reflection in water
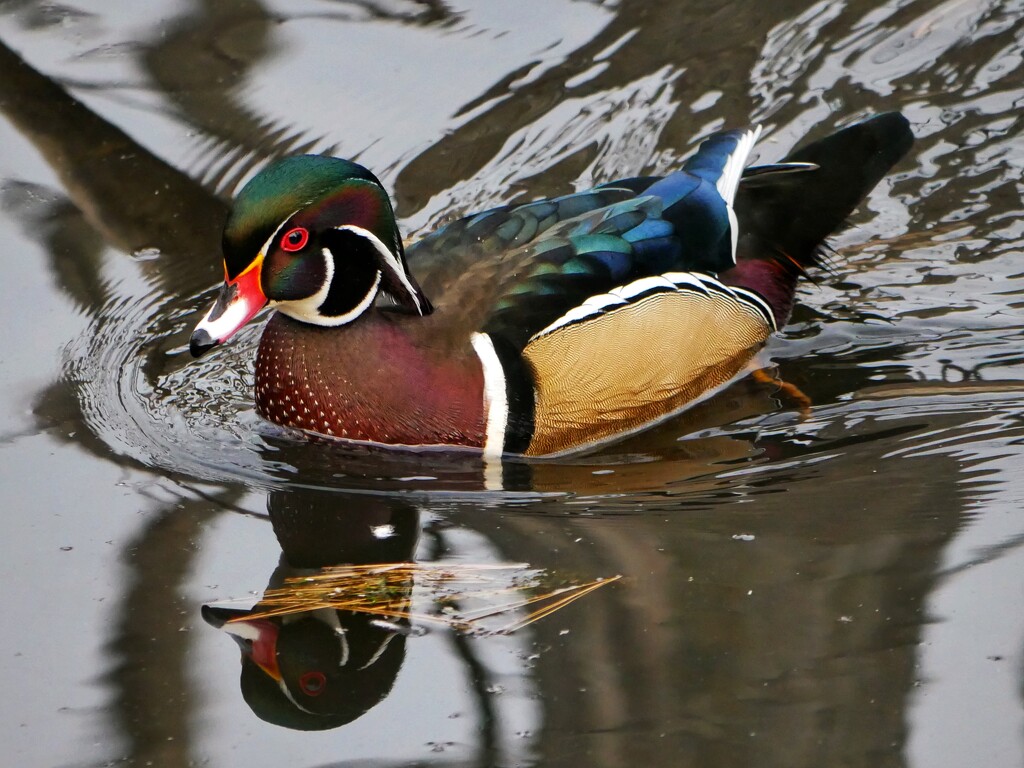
<point>323,668</point>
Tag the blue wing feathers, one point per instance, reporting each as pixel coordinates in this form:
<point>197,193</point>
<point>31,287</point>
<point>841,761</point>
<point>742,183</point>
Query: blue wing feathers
<point>674,187</point>
<point>649,229</point>
<point>518,230</point>
<point>587,243</point>
<point>659,254</point>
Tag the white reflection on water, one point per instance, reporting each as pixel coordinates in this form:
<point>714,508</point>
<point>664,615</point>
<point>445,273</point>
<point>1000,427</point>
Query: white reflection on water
<point>971,657</point>
<point>341,76</point>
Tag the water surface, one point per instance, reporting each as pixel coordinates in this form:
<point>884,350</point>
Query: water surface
<point>837,588</point>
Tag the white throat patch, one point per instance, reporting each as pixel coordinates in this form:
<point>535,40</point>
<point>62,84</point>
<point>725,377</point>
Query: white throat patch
<point>307,310</point>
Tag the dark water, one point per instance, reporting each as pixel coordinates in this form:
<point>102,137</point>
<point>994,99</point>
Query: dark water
<point>841,589</point>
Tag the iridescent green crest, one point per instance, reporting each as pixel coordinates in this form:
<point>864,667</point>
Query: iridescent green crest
<point>314,186</point>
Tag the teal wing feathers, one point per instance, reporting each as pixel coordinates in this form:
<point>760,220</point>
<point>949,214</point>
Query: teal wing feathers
<point>514,270</point>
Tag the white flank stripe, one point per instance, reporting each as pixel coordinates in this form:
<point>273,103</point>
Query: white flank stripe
<point>602,300</point>
<point>620,296</point>
<point>577,313</point>
<point>642,285</point>
<point>495,397</point>
<point>687,278</point>
<point>741,294</point>
<point>752,298</point>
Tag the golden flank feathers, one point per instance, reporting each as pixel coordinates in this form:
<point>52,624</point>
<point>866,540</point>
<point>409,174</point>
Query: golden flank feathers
<point>620,371</point>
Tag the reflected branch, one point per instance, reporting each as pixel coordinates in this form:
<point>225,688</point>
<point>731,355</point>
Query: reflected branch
<point>203,59</point>
<point>135,199</point>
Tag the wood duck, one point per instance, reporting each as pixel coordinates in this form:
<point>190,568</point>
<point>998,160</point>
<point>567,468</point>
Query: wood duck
<point>313,670</point>
<point>540,328</point>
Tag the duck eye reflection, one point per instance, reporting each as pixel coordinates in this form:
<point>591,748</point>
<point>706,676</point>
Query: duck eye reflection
<point>313,683</point>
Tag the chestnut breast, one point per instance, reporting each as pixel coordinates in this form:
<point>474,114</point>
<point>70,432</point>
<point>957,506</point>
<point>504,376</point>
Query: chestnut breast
<point>384,379</point>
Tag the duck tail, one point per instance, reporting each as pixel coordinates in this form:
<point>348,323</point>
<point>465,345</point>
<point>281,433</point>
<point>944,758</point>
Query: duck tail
<point>786,211</point>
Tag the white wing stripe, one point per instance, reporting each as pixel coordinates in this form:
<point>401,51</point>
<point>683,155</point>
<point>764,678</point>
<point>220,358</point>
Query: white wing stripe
<point>729,181</point>
<point>733,170</point>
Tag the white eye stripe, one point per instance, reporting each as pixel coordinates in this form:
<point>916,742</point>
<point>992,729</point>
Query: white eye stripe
<point>270,240</point>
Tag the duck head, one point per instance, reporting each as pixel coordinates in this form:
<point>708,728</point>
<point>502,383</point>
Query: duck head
<point>314,237</point>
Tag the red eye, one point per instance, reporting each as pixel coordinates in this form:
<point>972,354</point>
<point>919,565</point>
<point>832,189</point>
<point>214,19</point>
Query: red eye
<point>313,683</point>
<point>295,239</point>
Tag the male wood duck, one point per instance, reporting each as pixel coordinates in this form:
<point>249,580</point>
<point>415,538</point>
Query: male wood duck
<point>313,670</point>
<point>539,328</point>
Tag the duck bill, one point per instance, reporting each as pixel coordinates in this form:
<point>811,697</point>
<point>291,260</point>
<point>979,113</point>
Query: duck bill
<point>257,638</point>
<point>238,302</point>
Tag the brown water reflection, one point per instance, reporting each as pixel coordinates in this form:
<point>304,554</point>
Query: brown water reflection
<point>841,589</point>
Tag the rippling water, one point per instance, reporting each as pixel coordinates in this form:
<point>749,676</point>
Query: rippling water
<point>841,587</point>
